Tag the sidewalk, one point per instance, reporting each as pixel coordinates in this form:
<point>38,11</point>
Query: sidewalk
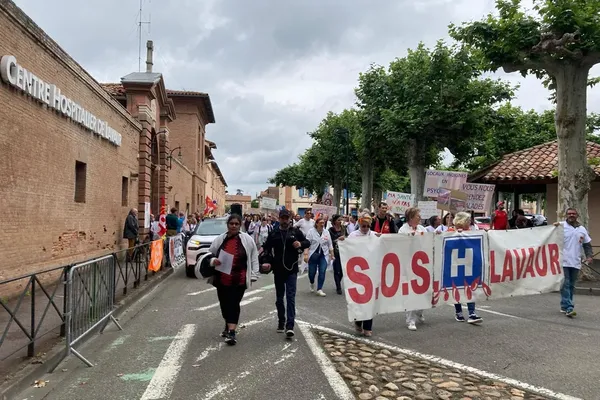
<point>588,287</point>
<point>46,318</point>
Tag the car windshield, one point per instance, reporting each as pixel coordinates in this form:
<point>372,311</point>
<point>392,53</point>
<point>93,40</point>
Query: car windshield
<point>211,227</point>
<point>483,220</point>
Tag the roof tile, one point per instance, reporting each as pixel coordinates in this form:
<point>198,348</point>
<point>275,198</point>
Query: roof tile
<point>538,162</point>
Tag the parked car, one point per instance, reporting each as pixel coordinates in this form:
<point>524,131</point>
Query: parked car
<point>483,223</point>
<point>537,219</point>
<point>206,231</point>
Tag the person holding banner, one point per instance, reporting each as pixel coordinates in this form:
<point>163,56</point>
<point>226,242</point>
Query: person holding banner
<point>383,223</point>
<point>364,229</point>
<point>462,222</point>
<point>337,234</point>
<point>413,227</point>
<point>320,254</point>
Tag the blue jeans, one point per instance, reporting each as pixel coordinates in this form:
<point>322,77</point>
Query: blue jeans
<point>567,288</point>
<point>470,307</point>
<point>285,285</point>
<point>314,263</point>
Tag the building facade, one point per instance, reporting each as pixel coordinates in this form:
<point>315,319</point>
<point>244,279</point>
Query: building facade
<point>76,158</point>
<point>244,201</point>
<point>299,200</point>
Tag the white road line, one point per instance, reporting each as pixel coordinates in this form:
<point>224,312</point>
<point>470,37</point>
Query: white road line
<point>250,300</point>
<point>202,291</point>
<point>499,313</point>
<point>292,353</point>
<point>336,382</point>
<point>163,381</point>
<point>208,350</point>
<point>258,320</point>
<point>304,326</point>
<point>253,292</point>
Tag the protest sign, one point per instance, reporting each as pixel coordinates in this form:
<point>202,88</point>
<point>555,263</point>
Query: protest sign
<point>398,202</point>
<point>393,273</point>
<point>428,209</point>
<point>436,180</point>
<point>451,200</point>
<point>479,196</point>
<point>156,255</point>
<point>322,209</point>
<point>176,255</point>
<point>268,203</point>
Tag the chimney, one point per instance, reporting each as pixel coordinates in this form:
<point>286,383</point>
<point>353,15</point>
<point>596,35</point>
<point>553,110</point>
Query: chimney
<point>149,48</point>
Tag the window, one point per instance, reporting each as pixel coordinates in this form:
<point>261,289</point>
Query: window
<point>124,191</point>
<point>177,206</point>
<point>80,178</point>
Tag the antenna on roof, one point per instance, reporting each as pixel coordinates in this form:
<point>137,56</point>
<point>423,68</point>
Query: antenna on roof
<point>140,23</point>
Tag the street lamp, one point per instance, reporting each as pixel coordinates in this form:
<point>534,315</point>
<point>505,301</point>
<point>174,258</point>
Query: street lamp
<point>346,133</point>
<point>170,156</point>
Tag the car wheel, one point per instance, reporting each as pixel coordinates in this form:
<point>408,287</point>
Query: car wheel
<point>189,271</point>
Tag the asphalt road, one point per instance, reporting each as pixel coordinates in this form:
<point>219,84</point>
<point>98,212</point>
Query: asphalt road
<point>170,347</point>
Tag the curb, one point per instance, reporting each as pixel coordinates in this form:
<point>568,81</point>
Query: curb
<point>592,291</point>
<point>26,376</point>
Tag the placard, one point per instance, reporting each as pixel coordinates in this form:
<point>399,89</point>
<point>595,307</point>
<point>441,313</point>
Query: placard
<point>268,203</point>
<point>436,180</point>
<point>398,202</point>
<point>479,196</point>
<point>147,215</point>
<point>322,209</point>
<point>428,209</point>
<point>451,200</point>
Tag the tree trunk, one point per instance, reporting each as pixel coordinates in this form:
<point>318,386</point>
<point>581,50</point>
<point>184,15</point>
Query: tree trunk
<point>574,172</point>
<point>377,196</point>
<point>367,183</point>
<point>337,192</point>
<point>416,170</point>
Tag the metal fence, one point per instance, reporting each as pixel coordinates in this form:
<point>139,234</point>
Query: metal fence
<point>34,308</point>
<point>91,295</point>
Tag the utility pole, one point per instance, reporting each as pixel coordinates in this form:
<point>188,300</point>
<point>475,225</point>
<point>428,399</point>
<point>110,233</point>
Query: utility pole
<point>140,23</point>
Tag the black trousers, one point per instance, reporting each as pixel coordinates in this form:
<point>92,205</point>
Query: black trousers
<point>338,274</point>
<point>230,298</point>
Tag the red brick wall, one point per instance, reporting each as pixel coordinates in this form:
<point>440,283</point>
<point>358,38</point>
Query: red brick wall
<point>42,225</point>
<point>180,187</point>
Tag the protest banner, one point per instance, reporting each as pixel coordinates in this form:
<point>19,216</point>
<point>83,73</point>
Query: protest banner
<point>322,209</point>
<point>451,200</point>
<point>479,196</point>
<point>398,202</point>
<point>176,255</point>
<point>156,255</point>
<point>393,273</point>
<point>428,209</point>
<point>387,274</point>
<point>436,180</point>
<point>268,203</point>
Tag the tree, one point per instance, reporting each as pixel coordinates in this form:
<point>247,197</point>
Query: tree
<point>559,43</point>
<point>437,99</point>
<point>254,203</point>
<point>239,192</point>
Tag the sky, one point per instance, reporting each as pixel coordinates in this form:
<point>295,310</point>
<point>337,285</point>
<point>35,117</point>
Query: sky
<point>272,68</point>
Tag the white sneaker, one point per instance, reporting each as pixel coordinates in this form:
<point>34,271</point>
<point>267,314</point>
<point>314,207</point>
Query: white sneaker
<point>412,326</point>
<point>312,287</point>
<point>321,293</point>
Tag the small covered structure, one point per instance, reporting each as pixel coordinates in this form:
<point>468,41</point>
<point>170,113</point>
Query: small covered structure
<point>534,171</point>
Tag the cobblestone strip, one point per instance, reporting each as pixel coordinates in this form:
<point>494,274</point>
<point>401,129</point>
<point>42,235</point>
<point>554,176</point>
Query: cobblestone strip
<point>374,372</point>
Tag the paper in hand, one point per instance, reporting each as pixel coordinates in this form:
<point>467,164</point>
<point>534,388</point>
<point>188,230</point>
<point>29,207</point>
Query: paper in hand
<point>226,262</point>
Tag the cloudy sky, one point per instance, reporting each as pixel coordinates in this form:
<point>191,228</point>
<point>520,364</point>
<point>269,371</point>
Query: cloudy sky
<point>273,68</point>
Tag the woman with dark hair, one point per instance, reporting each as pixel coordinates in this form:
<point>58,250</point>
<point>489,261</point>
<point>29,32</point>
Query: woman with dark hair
<point>433,223</point>
<point>232,280</point>
<point>320,254</point>
<point>337,234</point>
<point>447,223</point>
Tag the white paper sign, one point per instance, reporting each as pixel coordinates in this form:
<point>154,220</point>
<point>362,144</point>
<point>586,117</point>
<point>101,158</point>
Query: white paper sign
<point>479,196</point>
<point>268,203</point>
<point>226,262</point>
<point>146,215</point>
<point>428,209</point>
<point>398,202</point>
<point>324,210</point>
<point>176,254</point>
<point>434,180</point>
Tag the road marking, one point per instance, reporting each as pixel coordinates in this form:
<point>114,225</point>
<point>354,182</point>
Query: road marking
<point>253,292</point>
<point>250,300</point>
<point>486,309</point>
<point>292,353</point>
<point>336,382</point>
<point>208,350</point>
<point>218,390</point>
<point>258,320</point>
<point>202,291</point>
<point>163,381</point>
<point>305,327</point>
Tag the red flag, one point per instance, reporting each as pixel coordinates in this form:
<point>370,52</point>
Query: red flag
<point>210,206</point>
<point>162,221</point>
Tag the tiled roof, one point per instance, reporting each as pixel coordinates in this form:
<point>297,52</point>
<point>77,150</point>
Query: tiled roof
<point>535,163</point>
<point>114,89</point>
<point>117,90</point>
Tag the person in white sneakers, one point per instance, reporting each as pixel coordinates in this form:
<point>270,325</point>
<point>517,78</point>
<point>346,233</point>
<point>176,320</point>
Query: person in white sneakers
<point>576,238</point>
<point>320,254</point>
<point>413,227</point>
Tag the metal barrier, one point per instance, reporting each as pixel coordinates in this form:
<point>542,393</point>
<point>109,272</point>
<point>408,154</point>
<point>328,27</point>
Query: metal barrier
<point>91,298</point>
<point>34,311</point>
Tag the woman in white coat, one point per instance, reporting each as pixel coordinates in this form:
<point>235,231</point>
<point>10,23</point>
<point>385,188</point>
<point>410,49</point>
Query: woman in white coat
<point>320,254</point>
<point>232,283</point>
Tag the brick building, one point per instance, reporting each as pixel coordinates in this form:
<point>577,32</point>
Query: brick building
<point>75,159</point>
<point>244,201</point>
